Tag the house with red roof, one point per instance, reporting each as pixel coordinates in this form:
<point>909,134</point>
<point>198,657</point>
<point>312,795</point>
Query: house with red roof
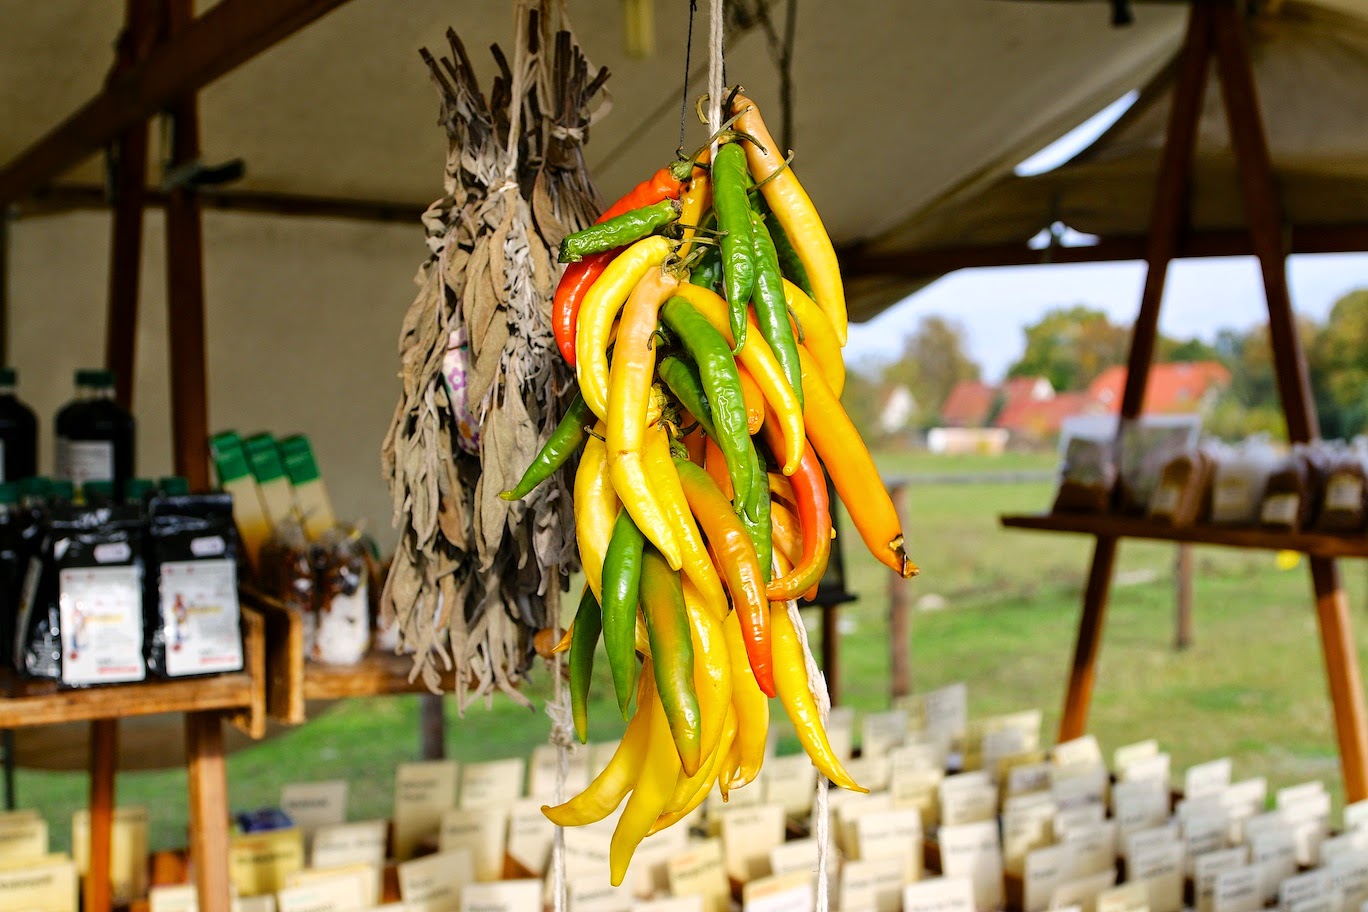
<point>1176,388</point>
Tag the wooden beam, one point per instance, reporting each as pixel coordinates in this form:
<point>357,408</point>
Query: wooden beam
<point>208,781</point>
<point>185,288</point>
<point>1078,697</point>
<point>226,36</point>
<point>104,762</point>
<point>63,198</point>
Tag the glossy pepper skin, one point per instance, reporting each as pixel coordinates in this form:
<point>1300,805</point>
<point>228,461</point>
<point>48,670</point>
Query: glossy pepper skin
<point>756,517</point>
<point>609,787</point>
<point>629,400</point>
<point>599,310</point>
<point>711,668</point>
<point>698,566</point>
<point>814,515</point>
<point>789,263</point>
<point>790,677</point>
<point>621,597</point>
<point>618,231</point>
<point>738,244</point>
<point>695,201</point>
<point>721,381</point>
<point>569,435</point>
<point>853,473</point>
<point>707,269</point>
<point>692,791</point>
<point>596,509</point>
<point>667,627</point>
<point>655,781</point>
<point>771,310</point>
<point>819,339</point>
<point>579,277</point>
<point>739,564</point>
<point>584,637</point>
<point>751,705</point>
<point>795,212</point>
<point>755,401</point>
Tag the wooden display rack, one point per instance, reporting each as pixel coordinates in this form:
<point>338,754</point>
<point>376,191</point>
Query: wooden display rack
<point>1216,34</point>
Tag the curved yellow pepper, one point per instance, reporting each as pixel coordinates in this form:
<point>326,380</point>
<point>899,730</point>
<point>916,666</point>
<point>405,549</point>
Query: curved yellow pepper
<point>819,338</point>
<point>752,709</point>
<point>655,782</point>
<point>712,672</point>
<point>596,509</point>
<point>689,793</point>
<point>698,566</point>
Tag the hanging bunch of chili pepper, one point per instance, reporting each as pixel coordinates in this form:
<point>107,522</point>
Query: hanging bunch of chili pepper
<point>704,316</point>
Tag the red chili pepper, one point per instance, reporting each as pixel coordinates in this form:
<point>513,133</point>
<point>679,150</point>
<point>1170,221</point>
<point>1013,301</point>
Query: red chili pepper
<point>814,518</point>
<point>578,277</point>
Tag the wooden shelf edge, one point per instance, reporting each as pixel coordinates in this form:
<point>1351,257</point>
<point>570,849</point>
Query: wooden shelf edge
<point>378,674</point>
<point>222,692</point>
<point>1320,544</point>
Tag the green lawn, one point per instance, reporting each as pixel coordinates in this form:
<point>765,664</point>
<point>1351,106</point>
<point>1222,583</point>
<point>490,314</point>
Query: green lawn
<point>1251,687</point>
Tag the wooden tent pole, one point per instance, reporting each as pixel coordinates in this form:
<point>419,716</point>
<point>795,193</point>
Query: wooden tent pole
<point>104,762</point>
<point>185,287</point>
<point>1294,385</point>
<point>1166,224</point>
<point>208,810</point>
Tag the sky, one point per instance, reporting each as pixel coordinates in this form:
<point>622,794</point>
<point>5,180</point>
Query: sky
<point>1202,297</point>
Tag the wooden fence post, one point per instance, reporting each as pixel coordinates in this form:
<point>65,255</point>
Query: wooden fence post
<point>1182,579</point>
<point>899,625</point>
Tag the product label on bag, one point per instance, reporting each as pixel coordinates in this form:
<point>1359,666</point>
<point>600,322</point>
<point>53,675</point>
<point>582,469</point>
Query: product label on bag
<point>200,613</point>
<point>102,627</point>
<point>81,461</point>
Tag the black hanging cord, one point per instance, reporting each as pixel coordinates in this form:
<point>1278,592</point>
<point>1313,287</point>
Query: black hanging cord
<point>688,54</point>
<point>782,52</point>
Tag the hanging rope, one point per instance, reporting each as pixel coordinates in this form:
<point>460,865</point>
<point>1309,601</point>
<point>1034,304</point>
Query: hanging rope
<point>822,809</point>
<point>716,52</point>
<point>688,62</point>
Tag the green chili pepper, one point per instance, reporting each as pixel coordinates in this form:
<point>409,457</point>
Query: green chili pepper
<point>583,641</point>
<point>721,385</point>
<point>738,244</point>
<point>682,379</point>
<point>618,231</point>
<point>771,308</point>
<point>667,629</point>
<point>789,264</point>
<point>621,598</point>
<point>563,443</point>
<point>707,270</point>
<point>756,516</point>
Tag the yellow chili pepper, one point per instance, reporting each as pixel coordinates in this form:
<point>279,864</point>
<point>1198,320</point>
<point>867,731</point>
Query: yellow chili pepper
<point>602,796</point>
<point>629,397</point>
<point>695,200</point>
<point>655,782</point>
<point>853,472</point>
<point>755,401</point>
<point>596,509</point>
<point>751,705</point>
<point>819,337</point>
<point>790,680</point>
<point>690,792</point>
<point>712,671</point>
<point>698,566</point>
<point>594,324</point>
<point>793,208</point>
<point>786,531</point>
<point>758,359</point>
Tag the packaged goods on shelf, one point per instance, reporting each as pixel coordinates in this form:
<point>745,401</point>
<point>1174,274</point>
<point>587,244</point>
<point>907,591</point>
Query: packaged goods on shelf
<point>1345,504</point>
<point>95,435</point>
<point>1183,494</point>
<point>309,491</point>
<point>18,432</point>
<point>1146,446</point>
<point>1291,495</point>
<point>273,485</point>
<point>236,478</point>
<point>1087,477</point>
<point>1239,481</point>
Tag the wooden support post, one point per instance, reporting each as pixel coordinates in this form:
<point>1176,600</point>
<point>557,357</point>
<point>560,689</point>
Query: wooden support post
<point>831,650</point>
<point>1182,597</point>
<point>1166,223</point>
<point>899,624</point>
<point>432,723</point>
<point>1294,384</point>
<point>104,762</point>
<point>185,288</point>
<point>208,810</point>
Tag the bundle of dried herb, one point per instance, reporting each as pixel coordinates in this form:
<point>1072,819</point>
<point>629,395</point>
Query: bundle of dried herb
<point>474,576</point>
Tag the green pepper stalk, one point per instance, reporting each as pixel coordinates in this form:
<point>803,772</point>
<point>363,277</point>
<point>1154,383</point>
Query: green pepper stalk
<point>667,628</point>
<point>738,244</point>
<point>771,308</point>
<point>563,443</point>
<point>621,598</point>
<point>756,516</point>
<point>618,231</point>
<point>584,639</point>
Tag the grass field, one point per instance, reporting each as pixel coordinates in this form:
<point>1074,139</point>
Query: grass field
<point>1251,687</point>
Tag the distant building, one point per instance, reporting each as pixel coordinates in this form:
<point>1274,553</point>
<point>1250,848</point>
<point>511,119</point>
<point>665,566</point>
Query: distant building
<point>897,408</point>
<point>970,404</point>
<point>1177,388</point>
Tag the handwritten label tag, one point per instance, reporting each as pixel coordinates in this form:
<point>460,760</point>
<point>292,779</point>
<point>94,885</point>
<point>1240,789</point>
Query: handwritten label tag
<point>700,871</point>
<point>1028,778</point>
<point>482,831</point>
<point>942,894</point>
<point>874,885</point>
<point>1026,825</point>
<point>175,898</point>
<point>349,843</point>
<point>1096,845</point>
<point>1274,850</point>
<point>541,774</point>
<point>792,892</point>
<point>671,904</point>
<point>1000,744</point>
<point>881,732</point>
<point>801,855</point>
<point>1210,778</point>
<point>1127,754</point>
<point>595,894</point>
<point>841,731</point>
<point>946,710</point>
<point>504,896</point>
<point>791,783</point>
<point>1205,833</point>
<point>128,851</point>
<point>422,792</point>
<point>587,849</point>
<point>918,789</point>
<point>1045,870</point>
<point>530,835</point>
<point>1159,865</point>
<point>1238,890</point>
<point>24,838</point>
<point>48,883</point>
<point>748,834</point>
<point>260,862</point>
<point>1084,891</point>
<point>366,880</point>
<point>315,804</point>
<point>848,809</point>
<point>1082,751</point>
<point>1303,887</point>
<point>1349,878</point>
<point>1139,805</point>
<point>1206,868</point>
<point>972,850</point>
<point>1076,786</point>
<point>497,782</point>
<point>1131,897</point>
<point>873,773</point>
<point>891,834</point>
<point>1307,810</point>
<point>1355,815</point>
<point>967,803</point>
<point>434,883</point>
<point>337,893</point>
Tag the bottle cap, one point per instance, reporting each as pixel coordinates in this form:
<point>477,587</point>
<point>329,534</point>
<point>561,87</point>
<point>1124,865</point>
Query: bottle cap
<point>9,493</point>
<point>34,486</point>
<point>230,460</point>
<point>97,489</point>
<point>61,490</point>
<point>264,458</point>
<point>87,376</point>
<point>299,459</point>
<point>8,376</point>
<point>173,485</point>
<point>135,489</point>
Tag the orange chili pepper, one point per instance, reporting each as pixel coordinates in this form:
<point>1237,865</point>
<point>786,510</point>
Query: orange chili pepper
<point>716,465</point>
<point>814,515</point>
<point>755,402</point>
